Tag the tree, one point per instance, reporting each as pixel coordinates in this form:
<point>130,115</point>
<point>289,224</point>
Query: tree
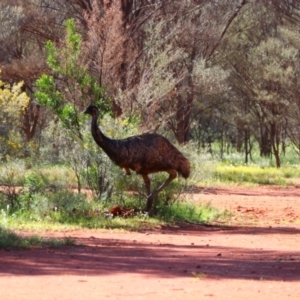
<point>287,79</point>
<point>174,40</point>
<point>21,55</point>
<point>70,88</point>
<point>257,70</point>
<point>105,51</point>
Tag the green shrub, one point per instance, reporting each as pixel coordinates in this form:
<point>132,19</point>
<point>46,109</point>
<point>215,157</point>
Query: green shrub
<point>11,179</point>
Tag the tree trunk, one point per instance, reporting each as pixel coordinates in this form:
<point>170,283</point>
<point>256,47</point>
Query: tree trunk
<point>275,142</point>
<point>265,143</point>
<point>246,137</point>
<point>30,121</point>
<point>183,115</point>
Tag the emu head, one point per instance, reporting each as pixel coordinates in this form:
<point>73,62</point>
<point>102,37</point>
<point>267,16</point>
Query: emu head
<point>91,110</point>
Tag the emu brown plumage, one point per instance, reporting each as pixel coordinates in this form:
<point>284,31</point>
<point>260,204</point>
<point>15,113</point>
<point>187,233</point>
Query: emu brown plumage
<point>145,154</point>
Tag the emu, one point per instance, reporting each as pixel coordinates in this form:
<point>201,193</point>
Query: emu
<point>145,154</point>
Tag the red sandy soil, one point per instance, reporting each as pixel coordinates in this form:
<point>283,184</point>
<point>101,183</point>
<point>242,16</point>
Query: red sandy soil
<point>256,255</point>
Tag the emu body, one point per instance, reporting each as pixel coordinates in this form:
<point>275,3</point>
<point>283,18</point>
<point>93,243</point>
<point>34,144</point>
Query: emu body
<point>145,154</point>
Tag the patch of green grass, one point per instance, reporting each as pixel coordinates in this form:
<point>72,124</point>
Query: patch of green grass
<point>67,223</point>
<point>62,221</point>
<point>100,221</point>
<point>59,175</point>
<point>179,211</point>
<point>10,239</point>
<point>186,211</point>
<point>44,201</point>
<point>256,175</point>
<point>14,173</point>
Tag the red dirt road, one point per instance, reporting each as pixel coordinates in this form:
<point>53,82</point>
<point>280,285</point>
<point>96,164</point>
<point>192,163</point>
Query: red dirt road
<point>256,256</point>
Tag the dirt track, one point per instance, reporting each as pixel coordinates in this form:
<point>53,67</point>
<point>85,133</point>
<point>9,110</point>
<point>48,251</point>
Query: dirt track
<point>256,257</point>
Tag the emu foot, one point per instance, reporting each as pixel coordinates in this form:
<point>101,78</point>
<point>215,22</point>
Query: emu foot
<point>126,171</point>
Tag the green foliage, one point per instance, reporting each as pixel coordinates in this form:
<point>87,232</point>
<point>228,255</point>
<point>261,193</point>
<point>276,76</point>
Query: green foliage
<point>34,190</point>
<point>70,88</point>
<point>10,181</point>
<point>48,95</point>
<point>39,200</point>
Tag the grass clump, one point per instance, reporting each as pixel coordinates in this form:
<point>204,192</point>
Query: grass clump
<point>186,211</point>
<point>9,239</point>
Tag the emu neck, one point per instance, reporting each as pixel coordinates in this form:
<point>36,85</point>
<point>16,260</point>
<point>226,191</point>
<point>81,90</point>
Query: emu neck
<point>103,141</point>
<point>97,134</point>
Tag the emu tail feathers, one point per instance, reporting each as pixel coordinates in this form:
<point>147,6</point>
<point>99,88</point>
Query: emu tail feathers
<point>184,168</point>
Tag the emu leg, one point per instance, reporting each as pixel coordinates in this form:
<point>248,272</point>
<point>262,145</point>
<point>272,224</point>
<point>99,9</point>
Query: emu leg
<point>172,176</point>
<point>147,183</point>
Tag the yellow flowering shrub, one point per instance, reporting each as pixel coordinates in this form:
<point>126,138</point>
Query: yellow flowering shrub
<point>118,128</point>
<point>13,102</point>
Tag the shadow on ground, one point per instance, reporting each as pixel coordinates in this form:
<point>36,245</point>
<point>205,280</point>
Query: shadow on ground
<point>190,228</point>
<point>93,256</point>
